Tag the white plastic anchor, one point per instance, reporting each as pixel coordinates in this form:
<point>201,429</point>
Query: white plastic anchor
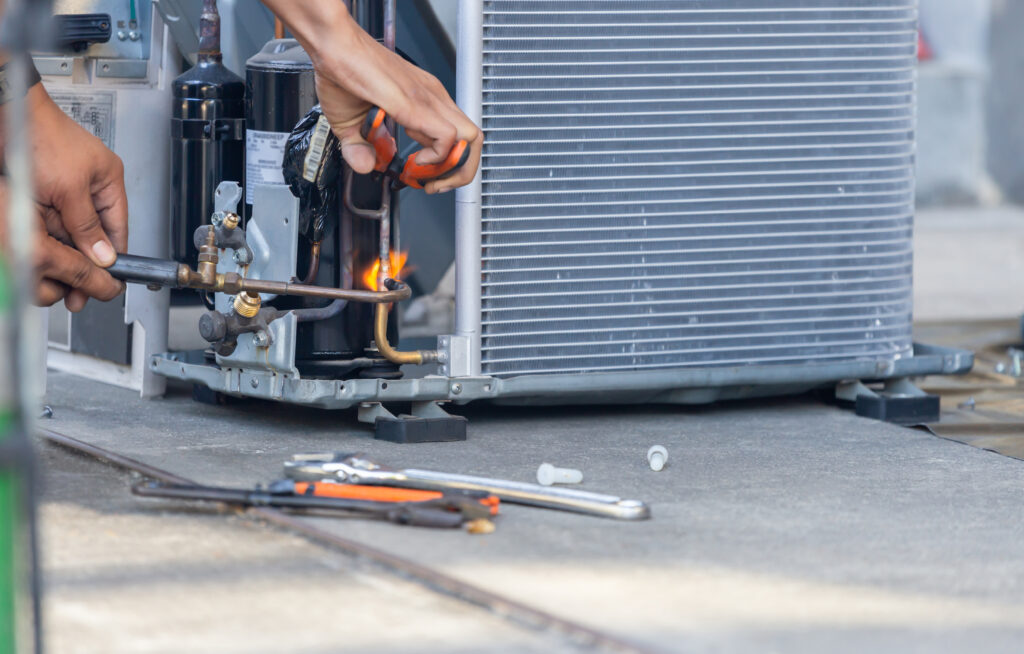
<point>657,456</point>
<point>548,474</point>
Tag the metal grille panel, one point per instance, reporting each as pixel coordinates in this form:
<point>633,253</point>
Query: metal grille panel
<point>671,183</point>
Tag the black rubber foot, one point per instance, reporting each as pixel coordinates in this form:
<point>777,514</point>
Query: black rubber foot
<point>410,429</point>
<point>915,410</point>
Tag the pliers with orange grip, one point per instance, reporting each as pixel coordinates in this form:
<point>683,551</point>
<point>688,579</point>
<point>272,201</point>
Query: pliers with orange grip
<point>405,170</point>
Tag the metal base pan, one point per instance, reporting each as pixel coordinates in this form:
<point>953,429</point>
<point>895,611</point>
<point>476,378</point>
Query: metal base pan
<point>674,386</point>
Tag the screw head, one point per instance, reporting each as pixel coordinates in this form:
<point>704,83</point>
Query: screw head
<point>134,35</point>
<point>122,35</point>
<point>240,257</point>
<point>217,218</point>
<point>456,388</point>
<point>261,339</point>
<point>255,383</point>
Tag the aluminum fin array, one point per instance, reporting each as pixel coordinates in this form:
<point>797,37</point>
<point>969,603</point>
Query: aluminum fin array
<point>672,183</point>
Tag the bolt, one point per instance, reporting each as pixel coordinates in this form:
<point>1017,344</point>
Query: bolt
<point>657,457</point>
<point>1016,362</point>
<point>456,388</point>
<point>47,412</point>
<point>548,474</point>
<point>240,257</point>
<point>255,383</point>
<point>63,65</point>
<point>122,35</point>
<point>261,339</point>
<point>217,218</point>
<point>134,35</point>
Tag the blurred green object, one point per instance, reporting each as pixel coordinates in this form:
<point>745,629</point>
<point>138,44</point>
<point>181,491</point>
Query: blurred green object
<point>16,559</point>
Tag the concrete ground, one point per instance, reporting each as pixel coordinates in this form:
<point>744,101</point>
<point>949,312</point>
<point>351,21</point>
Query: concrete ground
<point>779,525</point>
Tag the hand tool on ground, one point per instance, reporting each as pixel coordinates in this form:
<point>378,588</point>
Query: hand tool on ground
<point>447,512</point>
<point>357,469</point>
<point>378,493</point>
<point>405,169</point>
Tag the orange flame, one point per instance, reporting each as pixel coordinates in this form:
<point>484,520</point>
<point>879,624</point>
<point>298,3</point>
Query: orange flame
<point>397,261</point>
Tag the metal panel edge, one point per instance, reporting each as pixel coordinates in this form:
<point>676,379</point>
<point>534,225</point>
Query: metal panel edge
<point>674,386</point>
<point>469,96</point>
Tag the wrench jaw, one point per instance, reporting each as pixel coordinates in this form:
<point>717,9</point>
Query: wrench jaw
<point>344,468</point>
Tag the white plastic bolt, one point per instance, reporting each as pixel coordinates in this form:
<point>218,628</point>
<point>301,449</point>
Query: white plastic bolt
<point>657,456</point>
<point>548,474</point>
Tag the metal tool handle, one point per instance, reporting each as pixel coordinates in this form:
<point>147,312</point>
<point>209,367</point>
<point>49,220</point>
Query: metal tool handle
<point>552,497</point>
<point>145,270</point>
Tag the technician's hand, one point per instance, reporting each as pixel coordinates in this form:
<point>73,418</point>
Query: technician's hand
<point>62,272</point>
<point>81,197</point>
<point>354,72</point>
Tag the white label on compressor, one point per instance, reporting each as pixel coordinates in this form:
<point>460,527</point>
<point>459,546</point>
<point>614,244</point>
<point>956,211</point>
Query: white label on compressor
<point>93,110</point>
<point>264,153</point>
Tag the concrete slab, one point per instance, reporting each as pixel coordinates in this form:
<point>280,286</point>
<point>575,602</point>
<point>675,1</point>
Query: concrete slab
<point>125,576</point>
<point>779,525</point>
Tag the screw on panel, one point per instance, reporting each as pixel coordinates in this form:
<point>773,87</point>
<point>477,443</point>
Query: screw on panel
<point>456,388</point>
<point>254,382</point>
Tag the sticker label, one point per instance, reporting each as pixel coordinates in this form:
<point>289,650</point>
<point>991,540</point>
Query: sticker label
<point>93,110</point>
<point>315,155</point>
<point>264,154</point>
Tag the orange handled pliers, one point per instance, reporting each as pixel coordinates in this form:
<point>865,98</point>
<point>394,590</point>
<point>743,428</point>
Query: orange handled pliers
<point>404,170</point>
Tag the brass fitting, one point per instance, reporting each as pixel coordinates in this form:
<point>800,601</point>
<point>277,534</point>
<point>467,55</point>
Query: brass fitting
<point>247,305</point>
<point>207,266</point>
<point>230,220</point>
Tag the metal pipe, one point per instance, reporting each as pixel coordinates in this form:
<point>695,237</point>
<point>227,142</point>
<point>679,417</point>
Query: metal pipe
<point>314,263</point>
<point>469,96</point>
<point>400,292</point>
<point>380,337</point>
<point>146,270</point>
<point>209,31</point>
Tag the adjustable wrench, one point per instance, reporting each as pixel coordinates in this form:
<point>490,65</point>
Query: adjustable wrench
<point>357,469</point>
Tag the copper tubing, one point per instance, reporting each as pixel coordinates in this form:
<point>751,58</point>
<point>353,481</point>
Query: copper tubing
<point>380,337</point>
<point>278,28</point>
<point>209,31</point>
<point>314,263</point>
<point>233,284</point>
<point>400,292</point>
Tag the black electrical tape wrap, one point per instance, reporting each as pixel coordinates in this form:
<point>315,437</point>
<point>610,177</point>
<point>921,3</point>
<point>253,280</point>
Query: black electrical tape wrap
<point>311,167</point>
<point>145,270</point>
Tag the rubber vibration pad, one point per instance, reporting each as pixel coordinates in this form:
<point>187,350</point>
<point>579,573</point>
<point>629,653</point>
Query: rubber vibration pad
<point>915,410</point>
<point>411,429</point>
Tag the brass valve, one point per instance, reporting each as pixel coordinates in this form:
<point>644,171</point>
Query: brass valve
<point>247,305</point>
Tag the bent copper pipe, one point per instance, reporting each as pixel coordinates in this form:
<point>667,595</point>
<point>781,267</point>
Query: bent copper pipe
<point>162,272</point>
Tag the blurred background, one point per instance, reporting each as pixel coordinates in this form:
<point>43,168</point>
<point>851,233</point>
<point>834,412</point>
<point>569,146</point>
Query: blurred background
<point>970,227</point>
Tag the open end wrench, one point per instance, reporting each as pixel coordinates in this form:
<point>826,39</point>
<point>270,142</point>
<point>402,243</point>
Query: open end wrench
<point>357,469</point>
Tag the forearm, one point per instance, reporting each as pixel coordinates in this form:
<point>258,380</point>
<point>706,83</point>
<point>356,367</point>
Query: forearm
<point>319,25</point>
